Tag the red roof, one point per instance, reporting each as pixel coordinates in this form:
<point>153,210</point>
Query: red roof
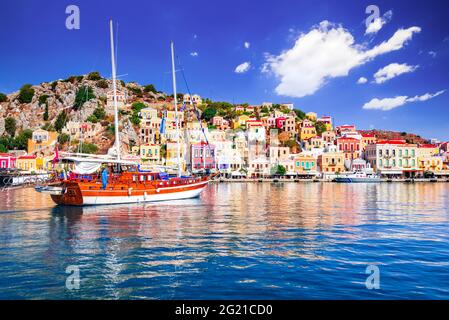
<point>427,146</point>
<point>368,135</point>
<point>27,157</point>
<point>392,142</point>
<point>347,138</point>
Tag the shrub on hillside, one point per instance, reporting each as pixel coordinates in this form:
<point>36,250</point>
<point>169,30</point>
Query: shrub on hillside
<point>83,95</point>
<point>26,94</point>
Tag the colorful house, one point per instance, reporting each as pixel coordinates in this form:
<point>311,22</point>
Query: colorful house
<point>393,157</point>
<point>150,153</point>
<point>42,142</point>
<point>26,163</point>
<point>305,164</point>
<point>327,120</point>
<point>7,161</point>
<point>307,130</point>
<point>331,162</point>
<point>240,121</point>
<point>202,156</point>
<point>349,146</point>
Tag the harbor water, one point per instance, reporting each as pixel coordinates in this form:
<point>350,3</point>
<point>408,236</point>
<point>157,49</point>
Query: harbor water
<point>237,241</point>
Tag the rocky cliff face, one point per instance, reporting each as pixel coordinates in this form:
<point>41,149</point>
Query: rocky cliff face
<point>61,96</point>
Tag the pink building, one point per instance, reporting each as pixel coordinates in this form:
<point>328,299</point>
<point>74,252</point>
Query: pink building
<point>7,161</point>
<point>220,123</point>
<point>202,156</point>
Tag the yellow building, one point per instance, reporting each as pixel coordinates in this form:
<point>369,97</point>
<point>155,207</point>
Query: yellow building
<point>241,121</point>
<point>427,150</point>
<point>332,162</point>
<point>429,163</point>
<point>305,164</point>
<point>307,130</point>
<point>150,152</point>
<point>42,142</point>
<point>171,156</point>
<point>311,116</point>
<point>26,163</point>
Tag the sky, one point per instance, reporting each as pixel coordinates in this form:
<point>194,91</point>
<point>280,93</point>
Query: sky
<point>390,72</point>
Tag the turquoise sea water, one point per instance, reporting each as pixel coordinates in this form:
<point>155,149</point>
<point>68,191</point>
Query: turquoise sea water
<point>238,241</point>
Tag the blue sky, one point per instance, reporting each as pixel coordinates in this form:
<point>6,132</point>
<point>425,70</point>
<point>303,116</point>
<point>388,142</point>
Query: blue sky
<point>36,47</point>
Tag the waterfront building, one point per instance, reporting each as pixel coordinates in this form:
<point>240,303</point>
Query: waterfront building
<point>288,105</point>
<point>82,130</point>
<point>42,142</point>
<point>315,142</point>
<point>311,116</point>
<point>121,101</point>
<point>171,156</point>
<point>7,161</point>
<point>202,156</point>
<point>345,128</point>
<point>150,126</point>
<point>307,130</point>
<point>220,123</point>
<point>393,157</point>
<point>278,154</point>
<point>349,146</point>
<point>196,131</point>
<point>329,136</point>
<point>305,164</point>
<point>428,150</point>
<point>196,99</point>
<point>259,167</point>
<point>327,120</point>
<point>331,162</point>
<point>150,153</point>
<point>240,121</point>
<point>430,163</point>
<point>26,163</point>
<point>368,138</point>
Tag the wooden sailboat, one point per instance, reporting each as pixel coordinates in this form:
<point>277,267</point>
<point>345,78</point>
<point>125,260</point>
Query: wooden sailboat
<point>121,181</point>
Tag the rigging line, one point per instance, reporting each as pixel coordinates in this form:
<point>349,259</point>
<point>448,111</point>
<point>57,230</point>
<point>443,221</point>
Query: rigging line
<point>193,103</point>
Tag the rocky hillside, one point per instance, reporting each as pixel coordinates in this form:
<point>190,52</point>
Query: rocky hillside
<point>393,135</point>
<point>37,106</point>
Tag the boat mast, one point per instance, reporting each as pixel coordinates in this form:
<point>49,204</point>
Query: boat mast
<point>176,107</point>
<point>114,86</point>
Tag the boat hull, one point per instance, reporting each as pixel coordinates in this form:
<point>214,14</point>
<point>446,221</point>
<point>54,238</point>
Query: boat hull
<point>75,196</point>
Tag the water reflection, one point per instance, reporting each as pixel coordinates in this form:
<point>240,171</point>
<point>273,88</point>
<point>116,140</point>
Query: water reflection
<point>254,240</point>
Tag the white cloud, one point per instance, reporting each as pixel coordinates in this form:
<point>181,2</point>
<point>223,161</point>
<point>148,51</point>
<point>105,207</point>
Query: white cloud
<point>433,54</point>
<point>195,36</point>
<point>391,103</point>
<point>325,52</point>
<point>391,71</point>
<point>194,54</point>
<point>362,80</point>
<point>242,68</point>
<point>375,26</point>
<point>247,45</point>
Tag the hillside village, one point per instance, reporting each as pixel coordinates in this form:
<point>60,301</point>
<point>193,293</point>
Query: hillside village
<point>76,115</point>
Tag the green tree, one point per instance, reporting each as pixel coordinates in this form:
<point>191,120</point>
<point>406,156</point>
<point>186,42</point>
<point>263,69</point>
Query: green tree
<point>21,141</point>
<point>320,128</point>
<point>26,94</point>
<point>83,95</point>
<point>48,127</point>
<point>280,170</point>
<point>150,88</point>
<point>3,148</point>
<point>92,118</point>
<point>99,113</point>
<point>3,97</point>
<point>88,148</point>
<point>94,76</point>
<point>300,114</point>
<point>209,113</point>
<point>10,126</point>
<point>46,112</point>
<point>102,84</point>
<point>61,120</point>
<point>63,138</point>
